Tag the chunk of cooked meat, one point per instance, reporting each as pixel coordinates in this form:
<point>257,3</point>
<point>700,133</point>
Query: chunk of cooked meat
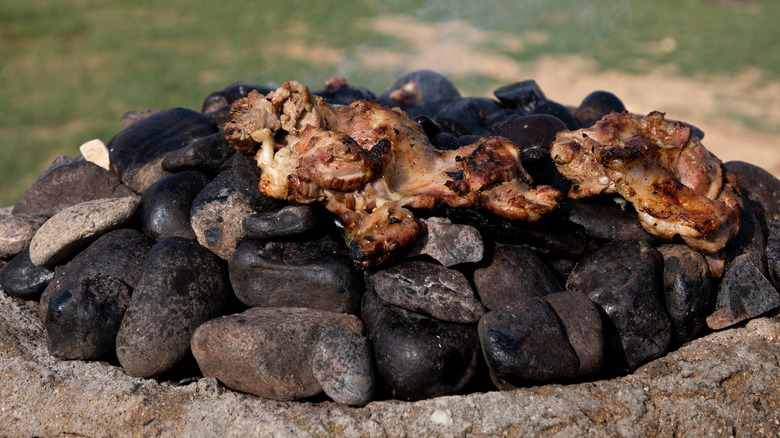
<point>674,183</point>
<point>368,164</point>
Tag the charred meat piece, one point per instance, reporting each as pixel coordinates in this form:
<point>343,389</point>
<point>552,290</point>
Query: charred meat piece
<point>368,164</point>
<point>674,183</point>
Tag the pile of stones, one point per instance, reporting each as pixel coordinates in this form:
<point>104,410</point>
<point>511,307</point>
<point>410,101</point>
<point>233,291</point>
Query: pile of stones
<point>157,253</point>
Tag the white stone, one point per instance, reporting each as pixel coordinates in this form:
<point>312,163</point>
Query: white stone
<point>441,417</point>
<point>95,151</point>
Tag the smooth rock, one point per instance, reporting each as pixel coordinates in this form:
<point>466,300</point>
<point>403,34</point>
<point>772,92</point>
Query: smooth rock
<point>67,185</point>
<point>289,221</point>
<point>467,115</point>
<point>750,239</point>
<point>95,151</point>
<point>595,106</point>
<point>525,95</point>
<point>137,152</point>
<point>20,278</point>
<point>420,92</point>
<point>74,228</point>
<point>83,319</point>
<point>623,278</point>
<point>744,293</point>
<point>606,220</point>
<point>429,289</point>
<point>761,188</point>
<point>268,352</point>
<point>773,252</point>
<point>132,117</point>
<point>449,244</point>
<point>421,357</point>
<point>182,285</point>
<point>688,289</point>
<point>246,179</point>
<point>230,94</point>
<point>343,365</point>
<point>166,204</point>
<point>526,342</point>
<point>530,131</point>
<point>216,216</point>
<point>208,154</point>
<point>558,111</point>
<point>119,254</point>
<point>512,274</point>
<point>16,231</point>
<point>295,274</point>
<point>584,330</point>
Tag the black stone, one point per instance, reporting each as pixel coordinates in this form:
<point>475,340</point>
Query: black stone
<point>526,342</point>
<point>209,154</point>
<point>343,364</point>
<point>22,279</point>
<point>230,94</point>
<point>750,239</point>
<point>761,188</point>
<point>744,293</point>
<point>137,153</point>
<point>773,252</point>
<point>558,111</point>
<point>421,357</point>
<point>433,92</point>
<point>584,329</point>
<point>525,95</point>
<point>344,95</point>
<point>530,131</point>
<point>514,273</point>
<point>606,220</point>
<point>289,221</point>
<point>245,178</point>
<point>165,206</point>
<point>623,278</point>
<point>467,115</point>
<point>69,184</point>
<point>595,106</point>
<point>308,274</point>
<point>83,318</point>
<point>688,289</point>
<point>182,285</point>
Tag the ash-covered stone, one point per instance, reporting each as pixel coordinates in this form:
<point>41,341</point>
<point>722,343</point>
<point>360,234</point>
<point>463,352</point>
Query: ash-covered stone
<point>166,204</point>
<point>688,289</point>
<point>216,215</point>
<point>584,330</point>
<point>526,342</point>
<point>422,357</point>
<point>288,221</point>
<point>744,293</point>
<point>137,152</point>
<point>429,289</point>
<point>449,244</point>
<point>182,285</point>
<point>83,318</point>
<point>68,184</point>
<point>623,278</point>
<point>268,352</point>
<point>74,228</point>
<point>343,365</point>
<point>16,231</point>
<point>513,273</point>
<point>295,274</point>
<point>21,278</point>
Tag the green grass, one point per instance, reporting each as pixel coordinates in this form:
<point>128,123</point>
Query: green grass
<point>69,70</point>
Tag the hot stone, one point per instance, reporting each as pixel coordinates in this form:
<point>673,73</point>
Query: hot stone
<point>165,206</point>
<point>21,278</point>
<point>688,293</point>
<point>343,365</point>
<point>288,221</point>
<point>744,293</point>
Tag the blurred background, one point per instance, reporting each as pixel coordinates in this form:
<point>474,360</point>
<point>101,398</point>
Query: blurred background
<point>70,69</point>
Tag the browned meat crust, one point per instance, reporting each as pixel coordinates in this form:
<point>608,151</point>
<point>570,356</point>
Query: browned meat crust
<point>367,163</point>
<point>675,184</point>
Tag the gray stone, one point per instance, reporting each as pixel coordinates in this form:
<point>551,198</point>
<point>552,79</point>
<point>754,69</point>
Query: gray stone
<point>20,278</point>
<point>216,216</point>
<point>343,364</point>
<point>268,352</point>
<point>74,228</point>
<point>68,184</point>
<point>429,289</point>
<point>623,279</point>
<point>761,188</point>
<point>744,293</point>
<point>513,273</point>
<point>137,152</point>
<point>288,221</point>
<point>719,385</point>
<point>526,342</point>
<point>773,252</point>
<point>450,244</point>
<point>182,285</point>
<point>688,289</point>
<point>16,231</point>
<point>295,274</point>
<point>750,239</point>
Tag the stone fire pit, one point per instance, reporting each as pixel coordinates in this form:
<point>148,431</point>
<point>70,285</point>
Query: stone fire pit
<point>153,290</point>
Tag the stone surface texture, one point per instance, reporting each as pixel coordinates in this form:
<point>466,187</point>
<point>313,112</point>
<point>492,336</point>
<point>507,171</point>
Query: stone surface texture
<point>724,384</point>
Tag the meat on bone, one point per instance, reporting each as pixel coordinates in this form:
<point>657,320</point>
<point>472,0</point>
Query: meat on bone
<point>369,164</point>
